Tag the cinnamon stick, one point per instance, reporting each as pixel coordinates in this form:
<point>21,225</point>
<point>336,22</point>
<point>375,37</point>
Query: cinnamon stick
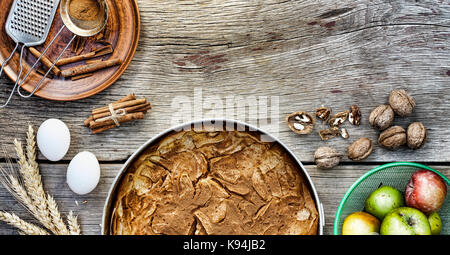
<point>75,44</point>
<point>87,121</point>
<point>81,76</point>
<point>103,48</point>
<point>120,105</point>
<point>93,54</point>
<point>122,119</point>
<point>81,45</point>
<point>123,99</point>
<point>44,60</point>
<point>92,61</point>
<point>69,60</point>
<point>127,98</point>
<point>102,129</point>
<point>90,68</point>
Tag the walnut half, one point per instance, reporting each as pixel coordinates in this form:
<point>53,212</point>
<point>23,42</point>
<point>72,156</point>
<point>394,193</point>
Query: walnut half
<point>338,119</point>
<point>323,113</point>
<point>301,123</point>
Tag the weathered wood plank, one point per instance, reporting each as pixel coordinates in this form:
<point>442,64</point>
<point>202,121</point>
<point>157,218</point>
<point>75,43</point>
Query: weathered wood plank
<point>307,53</point>
<point>331,186</point>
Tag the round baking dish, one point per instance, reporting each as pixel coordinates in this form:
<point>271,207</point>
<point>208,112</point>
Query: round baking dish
<point>237,125</point>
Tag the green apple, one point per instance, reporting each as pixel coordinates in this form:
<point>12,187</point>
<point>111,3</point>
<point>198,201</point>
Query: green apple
<point>360,223</point>
<point>435,223</point>
<point>383,200</point>
<point>405,221</point>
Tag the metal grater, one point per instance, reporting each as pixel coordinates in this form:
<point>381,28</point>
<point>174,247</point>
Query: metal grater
<point>29,21</point>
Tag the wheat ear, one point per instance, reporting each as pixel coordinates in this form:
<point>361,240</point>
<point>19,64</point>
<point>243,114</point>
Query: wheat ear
<point>12,184</point>
<point>57,221</point>
<point>33,184</point>
<point>50,208</point>
<point>31,148</point>
<point>73,224</point>
<point>23,226</point>
<point>22,159</point>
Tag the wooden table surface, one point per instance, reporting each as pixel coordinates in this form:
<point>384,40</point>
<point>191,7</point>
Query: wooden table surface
<point>302,53</point>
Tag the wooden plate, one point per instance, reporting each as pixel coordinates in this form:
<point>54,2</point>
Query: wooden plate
<point>124,29</point>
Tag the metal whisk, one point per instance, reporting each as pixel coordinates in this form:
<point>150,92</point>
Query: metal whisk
<point>29,23</point>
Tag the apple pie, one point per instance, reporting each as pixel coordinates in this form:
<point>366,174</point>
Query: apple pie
<point>214,183</point>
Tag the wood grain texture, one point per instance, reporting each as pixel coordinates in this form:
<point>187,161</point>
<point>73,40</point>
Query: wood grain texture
<point>309,53</point>
<point>306,53</point>
<point>90,207</point>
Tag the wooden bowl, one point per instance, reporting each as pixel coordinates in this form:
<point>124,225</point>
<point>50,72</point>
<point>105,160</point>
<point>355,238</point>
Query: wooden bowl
<point>124,27</point>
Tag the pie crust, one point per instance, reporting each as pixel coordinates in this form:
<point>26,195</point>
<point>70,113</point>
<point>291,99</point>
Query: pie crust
<point>216,183</point>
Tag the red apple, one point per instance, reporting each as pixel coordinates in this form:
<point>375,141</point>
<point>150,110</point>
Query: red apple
<point>426,191</point>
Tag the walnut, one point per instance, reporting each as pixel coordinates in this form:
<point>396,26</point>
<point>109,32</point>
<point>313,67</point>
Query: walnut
<point>338,119</point>
<point>326,157</point>
<point>344,133</point>
<point>401,102</point>
<point>416,135</point>
<point>355,115</point>
<point>301,123</point>
<point>381,117</point>
<point>360,149</point>
<point>327,134</point>
<point>393,137</point>
<point>323,113</point>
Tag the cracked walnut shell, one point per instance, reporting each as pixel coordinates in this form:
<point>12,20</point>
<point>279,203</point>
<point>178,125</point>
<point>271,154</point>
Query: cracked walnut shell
<point>355,115</point>
<point>301,123</point>
<point>323,113</point>
<point>327,134</point>
<point>338,119</point>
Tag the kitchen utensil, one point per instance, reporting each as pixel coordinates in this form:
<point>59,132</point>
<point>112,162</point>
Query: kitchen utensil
<point>84,28</point>
<point>28,23</point>
<point>235,125</point>
<point>122,32</point>
<point>395,175</point>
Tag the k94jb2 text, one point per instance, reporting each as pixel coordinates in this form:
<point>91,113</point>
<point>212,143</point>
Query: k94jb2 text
<point>247,245</point>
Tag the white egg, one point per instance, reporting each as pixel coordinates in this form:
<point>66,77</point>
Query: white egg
<point>53,139</point>
<point>83,173</point>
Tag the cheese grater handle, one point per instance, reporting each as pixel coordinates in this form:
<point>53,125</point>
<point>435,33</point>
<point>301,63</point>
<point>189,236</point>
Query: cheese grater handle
<point>46,74</point>
<point>21,82</point>
<point>1,71</point>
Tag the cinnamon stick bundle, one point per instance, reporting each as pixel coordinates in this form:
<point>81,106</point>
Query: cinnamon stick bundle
<point>125,110</point>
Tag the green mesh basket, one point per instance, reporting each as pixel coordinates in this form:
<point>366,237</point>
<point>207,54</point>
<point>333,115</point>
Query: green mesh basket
<point>395,175</point>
